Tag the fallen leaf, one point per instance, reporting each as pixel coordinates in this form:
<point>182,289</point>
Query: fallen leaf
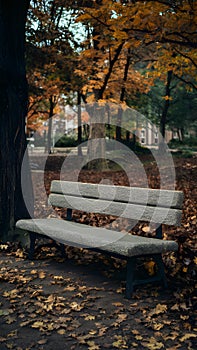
<point>120,343</point>
<point>89,318</point>
<point>175,307</point>
<point>13,333</point>
<point>76,307</point>
<point>118,304</point>
<point>188,336</point>
<point>121,318</point>
<point>41,274</point>
<point>42,341</point>
<point>159,309</point>
<point>157,326</point>
<point>150,267</point>
<point>37,324</point>
<point>61,331</point>
<point>138,337</point>
<point>4,312</point>
<point>92,346</point>
<point>153,344</point>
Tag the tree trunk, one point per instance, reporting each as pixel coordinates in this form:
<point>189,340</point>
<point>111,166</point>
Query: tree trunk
<point>50,121</point>
<point>122,95</point>
<point>96,142</point>
<point>13,110</point>
<point>96,148</point>
<point>166,104</point>
<point>79,128</point>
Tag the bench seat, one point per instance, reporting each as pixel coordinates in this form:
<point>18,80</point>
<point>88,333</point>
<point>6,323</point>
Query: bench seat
<point>80,235</point>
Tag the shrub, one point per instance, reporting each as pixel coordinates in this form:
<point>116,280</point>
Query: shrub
<point>66,141</point>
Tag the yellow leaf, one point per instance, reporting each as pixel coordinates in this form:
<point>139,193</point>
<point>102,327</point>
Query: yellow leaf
<point>157,326</point>
<point>92,332</point>
<point>75,306</point>
<point>50,299</point>
<point>146,229</point>
<point>89,318</point>
<point>183,306</point>
<point>41,274</point>
<point>167,98</point>
<point>19,253</point>
<point>161,308</point>
<point>10,320</point>
<point>42,341</point>
<point>138,337</point>
<point>92,346</point>
<point>102,331</point>
<point>25,323</point>
<point>175,307</point>
<point>118,304</point>
<point>134,345</point>
<point>38,324</point>
<point>3,246</point>
<point>61,331</point>
<point>12,334</point>
<point>121,317</point>
<point>69,288</point>
<point>184,317</point>
<point>120,343</point>
<point>150,267</point>
<point>57,277</point>
<point>153,344</point>
<point>188,336</point>
<point>185,269</point>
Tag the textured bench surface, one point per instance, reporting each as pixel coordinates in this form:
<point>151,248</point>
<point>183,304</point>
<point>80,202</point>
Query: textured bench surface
<point>135,195</point>
<point>143,204</point>
<point>80,235</point>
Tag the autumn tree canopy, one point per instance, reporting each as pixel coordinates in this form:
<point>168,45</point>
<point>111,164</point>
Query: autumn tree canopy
<point>121,49</point>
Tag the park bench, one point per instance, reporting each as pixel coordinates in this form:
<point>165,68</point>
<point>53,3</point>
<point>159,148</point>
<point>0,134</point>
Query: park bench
<point>137,204</point>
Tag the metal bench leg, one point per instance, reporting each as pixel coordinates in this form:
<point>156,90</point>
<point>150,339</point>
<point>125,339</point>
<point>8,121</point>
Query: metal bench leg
<point>62,249</point>
<point>131,263</point>
<point>33,237</point>
<point>161,270</point>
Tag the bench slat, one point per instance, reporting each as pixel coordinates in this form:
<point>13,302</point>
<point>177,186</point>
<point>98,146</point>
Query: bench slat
<point>133,211</point>
<point>134,195</point>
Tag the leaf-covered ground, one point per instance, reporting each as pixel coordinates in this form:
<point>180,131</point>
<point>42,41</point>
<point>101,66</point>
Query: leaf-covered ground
<point>79,303</point>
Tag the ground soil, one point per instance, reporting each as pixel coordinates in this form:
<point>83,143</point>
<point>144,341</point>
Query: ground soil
<point>79,303</point>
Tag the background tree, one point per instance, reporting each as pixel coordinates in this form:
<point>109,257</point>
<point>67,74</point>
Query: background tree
<point>159,33</point>
<point>13,110</point>
<point>50,57</point>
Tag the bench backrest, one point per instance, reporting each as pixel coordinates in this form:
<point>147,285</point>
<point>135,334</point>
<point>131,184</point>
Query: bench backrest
<point>141,204</point>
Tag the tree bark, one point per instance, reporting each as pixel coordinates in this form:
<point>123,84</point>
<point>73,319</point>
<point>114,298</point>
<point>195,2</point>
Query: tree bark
<point>79,128</point>
<point>122,95</point>
<point>50,121</point>
<point>13,110</point>
<point>96,148</point>
<point>96,141</point>
<point>166,104</point>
